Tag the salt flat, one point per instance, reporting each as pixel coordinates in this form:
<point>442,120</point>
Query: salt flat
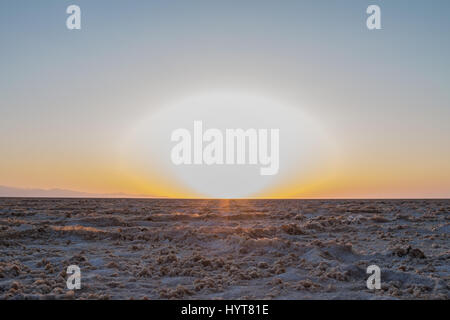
<point>224,249</point>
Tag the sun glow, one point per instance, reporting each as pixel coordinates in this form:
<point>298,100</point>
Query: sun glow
<point>304,148</point>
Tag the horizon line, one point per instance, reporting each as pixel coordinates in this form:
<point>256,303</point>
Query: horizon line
<point>195,198</point>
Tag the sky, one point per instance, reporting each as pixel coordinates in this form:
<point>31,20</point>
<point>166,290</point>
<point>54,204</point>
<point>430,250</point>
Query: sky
<point>71,101</point>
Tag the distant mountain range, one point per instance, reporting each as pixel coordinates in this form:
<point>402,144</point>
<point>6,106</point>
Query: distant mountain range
<point>59,193</point>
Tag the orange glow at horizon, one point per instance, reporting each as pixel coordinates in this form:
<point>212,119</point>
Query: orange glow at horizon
<point>342,186</point>
<point>356,172</point>
<point>353,179</point>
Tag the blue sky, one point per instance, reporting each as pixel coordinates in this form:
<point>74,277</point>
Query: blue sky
<point>386,89</point>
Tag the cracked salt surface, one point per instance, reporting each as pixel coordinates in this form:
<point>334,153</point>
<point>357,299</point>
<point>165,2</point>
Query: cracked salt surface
<point>224,249</point>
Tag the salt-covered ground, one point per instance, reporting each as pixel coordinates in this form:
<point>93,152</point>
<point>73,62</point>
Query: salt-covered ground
<point>224,249</point>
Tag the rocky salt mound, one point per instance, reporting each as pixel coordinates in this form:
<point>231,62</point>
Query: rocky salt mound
<point>224,249</point>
